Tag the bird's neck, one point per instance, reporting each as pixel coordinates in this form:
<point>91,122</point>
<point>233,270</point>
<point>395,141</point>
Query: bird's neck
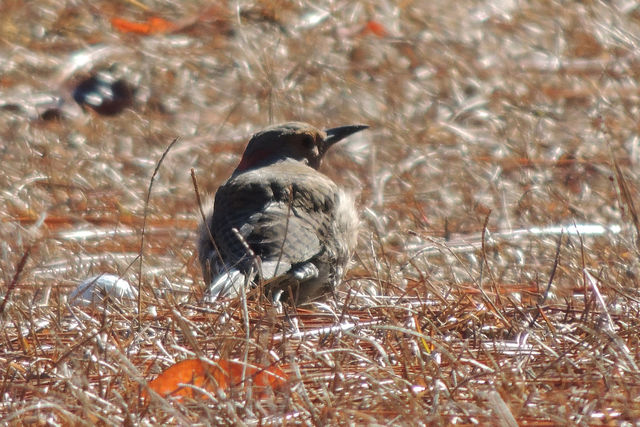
<point>262,158</point>
<point>254,159</point>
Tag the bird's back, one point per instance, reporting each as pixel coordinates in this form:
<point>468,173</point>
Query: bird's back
<point>280,211</point>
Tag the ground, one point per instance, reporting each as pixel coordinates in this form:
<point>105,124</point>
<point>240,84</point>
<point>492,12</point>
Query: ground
<point>496,276</point>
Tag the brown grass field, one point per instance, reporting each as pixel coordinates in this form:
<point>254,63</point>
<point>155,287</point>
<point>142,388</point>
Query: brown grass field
<point>496,280</point>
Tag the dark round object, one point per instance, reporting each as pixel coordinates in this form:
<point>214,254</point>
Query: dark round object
<point>104,94</point>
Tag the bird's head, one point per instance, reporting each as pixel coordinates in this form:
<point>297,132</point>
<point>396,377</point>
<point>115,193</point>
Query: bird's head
<point>294,140</point>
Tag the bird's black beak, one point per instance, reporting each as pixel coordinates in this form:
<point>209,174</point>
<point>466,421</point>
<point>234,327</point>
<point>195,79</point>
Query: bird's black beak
<point>336,134</point>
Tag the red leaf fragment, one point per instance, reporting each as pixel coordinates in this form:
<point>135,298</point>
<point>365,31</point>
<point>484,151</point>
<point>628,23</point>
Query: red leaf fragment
<point>375,28</point>
<point>153,25</point>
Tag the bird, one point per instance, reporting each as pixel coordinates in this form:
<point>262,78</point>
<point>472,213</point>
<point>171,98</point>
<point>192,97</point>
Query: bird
<point>278,222</point>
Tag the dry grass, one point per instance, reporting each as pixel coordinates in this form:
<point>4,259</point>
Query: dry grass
<point>507,117</point>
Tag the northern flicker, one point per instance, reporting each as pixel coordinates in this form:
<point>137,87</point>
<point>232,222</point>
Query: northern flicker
<point>279,221</point>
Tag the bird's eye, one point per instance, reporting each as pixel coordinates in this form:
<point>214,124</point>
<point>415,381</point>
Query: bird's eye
<point>308,142</point>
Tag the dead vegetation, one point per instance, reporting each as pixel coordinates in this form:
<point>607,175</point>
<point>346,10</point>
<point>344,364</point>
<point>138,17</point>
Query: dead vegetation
<point>496,279</point>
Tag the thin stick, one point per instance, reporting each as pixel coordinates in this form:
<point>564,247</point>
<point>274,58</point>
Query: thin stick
<point>16,278</point>
<point>144,224</point>
<point>204,217</point>
<point>286,230</point>
<point>627,198</point>
<point>486,263</point>
<point>550,282</point>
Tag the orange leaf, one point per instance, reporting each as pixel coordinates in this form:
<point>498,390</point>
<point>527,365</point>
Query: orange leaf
<point>226,374</point>
<point>153,25</point>
<point>159,25</point>
<point>375,27</point>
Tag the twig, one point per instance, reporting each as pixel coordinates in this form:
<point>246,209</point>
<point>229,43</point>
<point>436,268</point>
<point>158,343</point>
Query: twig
<point>550,282</point>
<point>485,262</point>
<point>203,216</point>
<point>144,224</point>
<point>16,278</point>
<point>286,230</point>
<point>628,199</point>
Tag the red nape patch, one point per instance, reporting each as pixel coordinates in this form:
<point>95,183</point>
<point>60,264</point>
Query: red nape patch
<point>249,161</point>
<point>244,164</point>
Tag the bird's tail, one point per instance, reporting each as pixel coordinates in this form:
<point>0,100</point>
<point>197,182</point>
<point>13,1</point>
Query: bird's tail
<point>229,284</point>
<point>226,285</point>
